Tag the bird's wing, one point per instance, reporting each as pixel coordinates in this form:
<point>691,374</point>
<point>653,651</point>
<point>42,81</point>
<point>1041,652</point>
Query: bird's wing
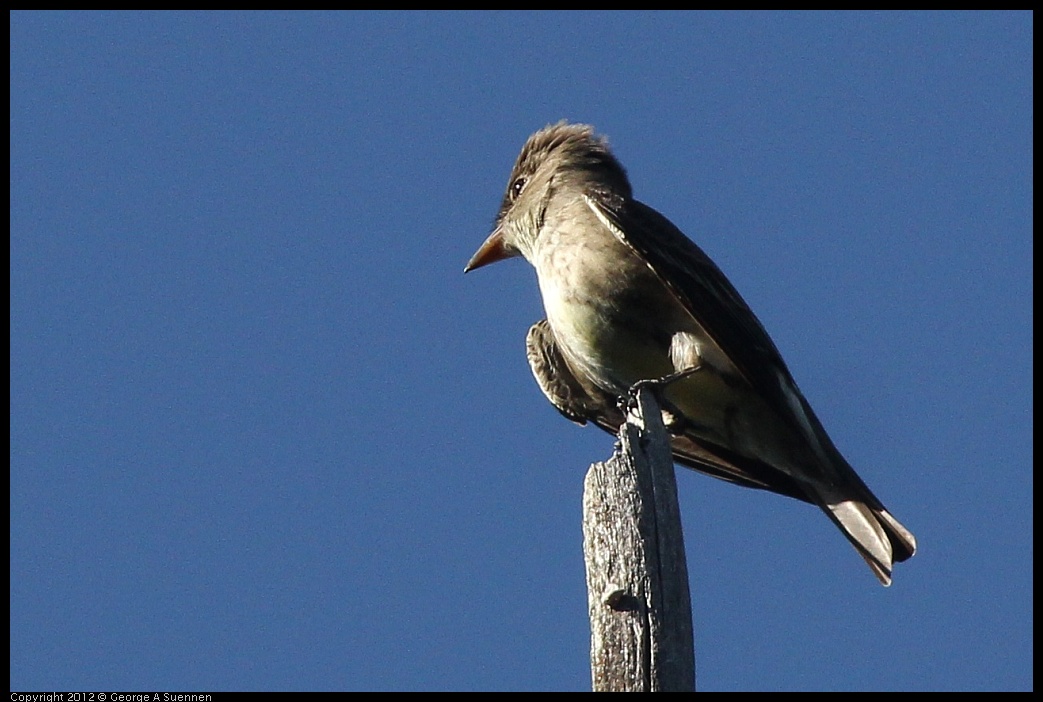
<point>698,285</point>
<point>701,288</point>
<point>582,402</point>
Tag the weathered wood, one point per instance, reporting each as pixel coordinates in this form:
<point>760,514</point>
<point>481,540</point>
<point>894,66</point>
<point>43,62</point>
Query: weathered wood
<point>637,578</point>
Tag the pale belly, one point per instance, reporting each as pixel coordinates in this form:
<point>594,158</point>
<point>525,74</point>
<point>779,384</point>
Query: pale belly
<point>616,325</point>
<point>608,338</point>
<point>617,342</point>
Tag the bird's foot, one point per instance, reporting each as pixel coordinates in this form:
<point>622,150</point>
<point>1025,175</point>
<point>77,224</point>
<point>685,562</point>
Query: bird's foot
<point>658,385</point>
<point>674,420</point>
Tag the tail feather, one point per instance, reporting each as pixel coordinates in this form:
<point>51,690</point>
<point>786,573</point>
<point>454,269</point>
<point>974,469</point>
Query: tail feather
<point>903,543</point>
<point>877,536</point>
<point>864,531</point>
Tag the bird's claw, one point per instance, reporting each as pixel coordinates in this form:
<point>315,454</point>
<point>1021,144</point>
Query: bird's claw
<point>673,420</point>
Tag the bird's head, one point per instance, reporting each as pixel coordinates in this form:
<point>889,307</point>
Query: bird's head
<point>558,156</point>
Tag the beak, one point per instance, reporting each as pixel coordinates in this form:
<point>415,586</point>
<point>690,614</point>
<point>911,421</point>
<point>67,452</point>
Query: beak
<point>494,249</point>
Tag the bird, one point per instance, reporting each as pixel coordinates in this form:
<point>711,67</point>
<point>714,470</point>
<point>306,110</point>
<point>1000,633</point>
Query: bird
<point>630,299</point>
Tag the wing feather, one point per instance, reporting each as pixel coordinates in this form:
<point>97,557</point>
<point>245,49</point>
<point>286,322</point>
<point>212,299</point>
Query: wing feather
<point>702,289</point>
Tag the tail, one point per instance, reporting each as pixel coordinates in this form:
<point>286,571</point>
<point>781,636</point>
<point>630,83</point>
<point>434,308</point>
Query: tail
<point>877,536</point>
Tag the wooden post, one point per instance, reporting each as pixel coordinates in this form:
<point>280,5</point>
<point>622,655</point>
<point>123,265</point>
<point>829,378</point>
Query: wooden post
<point>637,579</point>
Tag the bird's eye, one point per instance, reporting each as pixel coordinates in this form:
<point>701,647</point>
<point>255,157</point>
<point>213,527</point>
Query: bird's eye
<point>516,188</point>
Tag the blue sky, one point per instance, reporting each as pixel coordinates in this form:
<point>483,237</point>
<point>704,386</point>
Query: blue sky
<point>266,435</point>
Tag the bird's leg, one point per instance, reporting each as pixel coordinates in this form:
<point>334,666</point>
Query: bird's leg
<point>659,384</point>
<point>673,419</point>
